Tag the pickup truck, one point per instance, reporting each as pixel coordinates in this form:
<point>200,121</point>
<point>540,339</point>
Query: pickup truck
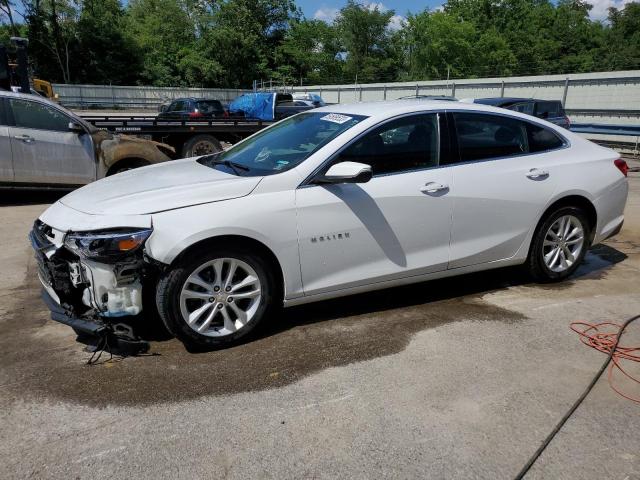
<point>44,145</point>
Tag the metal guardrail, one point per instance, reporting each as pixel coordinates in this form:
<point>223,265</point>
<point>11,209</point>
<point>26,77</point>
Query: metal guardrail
<point>628,145</point>
<point>604,129</point>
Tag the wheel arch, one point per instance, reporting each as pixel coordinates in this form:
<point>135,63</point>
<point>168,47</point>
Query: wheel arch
<point>574,200</point>
<point>245,241</point>
<point>133,162</point>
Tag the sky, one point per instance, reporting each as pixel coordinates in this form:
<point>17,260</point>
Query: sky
<point>328,9</point>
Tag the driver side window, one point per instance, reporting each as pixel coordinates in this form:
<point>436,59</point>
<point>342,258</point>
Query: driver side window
<point>27,114</point>
<point>408,143</point>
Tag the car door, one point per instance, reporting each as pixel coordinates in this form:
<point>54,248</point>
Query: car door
<point>6,162</point>
<point>396,225</point>
<point>44,150</point>
<point>503,176</point>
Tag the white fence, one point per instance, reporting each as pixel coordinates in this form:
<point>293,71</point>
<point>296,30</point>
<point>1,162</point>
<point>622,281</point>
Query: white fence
<point>602,97</point>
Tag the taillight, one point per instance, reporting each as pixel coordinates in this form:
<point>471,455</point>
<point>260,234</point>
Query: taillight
<point>226,114</point>
<point>622,166</point>
<point>195,114</point>
<point>568,122</point>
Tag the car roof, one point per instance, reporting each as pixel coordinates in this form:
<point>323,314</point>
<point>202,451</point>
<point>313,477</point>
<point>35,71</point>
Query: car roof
<point>391,108</point>
<point>30,96</point>
<point>501,100</point>
<point>194,99</point>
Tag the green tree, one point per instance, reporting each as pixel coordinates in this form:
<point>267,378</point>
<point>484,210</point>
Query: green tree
<point>107,54</point>
<point>162,31</point>
<point>308,53</point>
<point>621,45</point>
<point>366,38</point>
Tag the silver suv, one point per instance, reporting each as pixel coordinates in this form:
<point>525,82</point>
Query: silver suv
<point>42,143</point>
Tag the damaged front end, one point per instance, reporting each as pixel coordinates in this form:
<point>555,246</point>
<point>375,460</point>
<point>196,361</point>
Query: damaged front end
<point>93,280</point>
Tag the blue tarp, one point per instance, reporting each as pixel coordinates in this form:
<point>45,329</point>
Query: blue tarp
<point>255,105</point>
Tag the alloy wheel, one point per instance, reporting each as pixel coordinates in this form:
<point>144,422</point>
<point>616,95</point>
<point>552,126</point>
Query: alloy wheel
<point>220,297</point>
<point>563,243</point>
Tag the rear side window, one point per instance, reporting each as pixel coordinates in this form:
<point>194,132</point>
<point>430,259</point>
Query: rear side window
<point>179,106</point>
<point>523,107</point>
<point>482,136</point>
<point>542,139</point>
<point>209,106</point>
<point>36,115</point>
<point>550,109</point>
<point>405,144</point>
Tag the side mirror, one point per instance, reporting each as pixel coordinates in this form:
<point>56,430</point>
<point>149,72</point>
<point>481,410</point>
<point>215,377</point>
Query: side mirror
<point>76,127</point>
<point>347,172</point>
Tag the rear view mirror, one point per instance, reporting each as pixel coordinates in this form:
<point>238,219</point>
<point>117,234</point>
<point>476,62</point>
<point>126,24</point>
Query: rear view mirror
<point>76,127</point>
<point>347,172</point>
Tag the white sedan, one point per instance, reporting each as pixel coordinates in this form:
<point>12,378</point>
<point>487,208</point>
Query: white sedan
<point>330,202</point>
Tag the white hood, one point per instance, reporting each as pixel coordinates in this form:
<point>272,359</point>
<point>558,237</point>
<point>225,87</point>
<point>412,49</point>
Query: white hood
<point>159,187</point>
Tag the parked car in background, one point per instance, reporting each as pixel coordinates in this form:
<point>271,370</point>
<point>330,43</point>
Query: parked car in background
<point>331,202</point>
<point>291,107</point>
<point>268,106</point>
<point>193,109</point>
<point>314,98</point>
<point>43,144</point>
<point>549,110</point>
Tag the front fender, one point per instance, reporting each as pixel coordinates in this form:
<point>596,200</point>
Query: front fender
<point>267,218</point>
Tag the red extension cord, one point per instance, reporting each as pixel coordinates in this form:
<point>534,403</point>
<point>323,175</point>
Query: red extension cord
<point>604,337</point>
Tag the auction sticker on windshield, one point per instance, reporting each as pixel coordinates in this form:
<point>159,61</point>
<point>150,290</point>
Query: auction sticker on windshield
<point>336,118</point>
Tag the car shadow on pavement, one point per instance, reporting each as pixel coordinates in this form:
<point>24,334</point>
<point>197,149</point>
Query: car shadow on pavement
<point>298,342</point>
<point>466,288</point>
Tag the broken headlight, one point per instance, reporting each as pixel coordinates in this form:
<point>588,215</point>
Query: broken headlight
<point>106,245</point>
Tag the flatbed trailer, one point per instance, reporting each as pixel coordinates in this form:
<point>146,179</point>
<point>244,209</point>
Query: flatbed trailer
<point>188,137</point>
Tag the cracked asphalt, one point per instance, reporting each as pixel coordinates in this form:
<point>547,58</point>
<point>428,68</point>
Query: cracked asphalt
<point>456,378</point>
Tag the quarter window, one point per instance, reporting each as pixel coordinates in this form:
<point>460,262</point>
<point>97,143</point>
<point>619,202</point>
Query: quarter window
<point>28,114</point>
<point>549,109</point>
<point>408,143</point>
<point>524,107</point>
<point>482,136</point>
<point>542,139</point>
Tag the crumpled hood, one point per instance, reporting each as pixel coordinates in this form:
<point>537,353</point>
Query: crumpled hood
<point>165,186</point>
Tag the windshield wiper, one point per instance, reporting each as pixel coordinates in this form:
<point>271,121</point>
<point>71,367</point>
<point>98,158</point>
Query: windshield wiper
<point>236,167</point>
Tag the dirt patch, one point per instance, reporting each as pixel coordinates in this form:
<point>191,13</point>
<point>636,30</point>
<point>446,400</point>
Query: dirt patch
<point>41,360</point>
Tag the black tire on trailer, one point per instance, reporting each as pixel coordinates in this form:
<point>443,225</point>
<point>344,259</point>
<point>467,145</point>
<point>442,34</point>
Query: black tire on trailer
<point>199,145</point>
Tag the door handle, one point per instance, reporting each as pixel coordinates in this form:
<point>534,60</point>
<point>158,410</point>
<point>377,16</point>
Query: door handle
<point>537,174</point>
<point>25,138</point>
<point>434,187</point>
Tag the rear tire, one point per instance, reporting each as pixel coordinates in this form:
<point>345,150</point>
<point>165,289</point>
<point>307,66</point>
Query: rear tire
<point>216,296</point>
<point>559,244</point>
<point>201,145</point>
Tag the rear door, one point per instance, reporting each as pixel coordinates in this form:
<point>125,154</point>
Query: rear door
<point>6,162</point>
<point>503,176</point>
<point>44,150</point>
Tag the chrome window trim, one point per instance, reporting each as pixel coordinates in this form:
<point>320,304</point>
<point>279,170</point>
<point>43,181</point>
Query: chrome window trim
<point>306,182</point>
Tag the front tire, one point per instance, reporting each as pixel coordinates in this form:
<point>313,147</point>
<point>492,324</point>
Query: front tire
<point>559,244</point>
<point>216,297</point>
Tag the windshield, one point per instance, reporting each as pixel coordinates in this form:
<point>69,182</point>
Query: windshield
<point>284,145</point>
